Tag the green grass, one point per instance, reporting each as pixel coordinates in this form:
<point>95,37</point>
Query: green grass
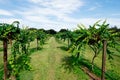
<point>47,64</point>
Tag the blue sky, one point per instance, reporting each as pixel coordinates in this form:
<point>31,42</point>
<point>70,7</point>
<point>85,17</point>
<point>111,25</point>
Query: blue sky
<point>57,14</point>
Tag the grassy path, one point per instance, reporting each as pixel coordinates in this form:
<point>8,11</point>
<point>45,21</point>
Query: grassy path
<point>47,64</point>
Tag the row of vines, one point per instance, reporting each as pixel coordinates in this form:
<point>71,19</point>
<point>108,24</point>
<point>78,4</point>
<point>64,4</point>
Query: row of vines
<point>19,40</point>
<point>100,38</point>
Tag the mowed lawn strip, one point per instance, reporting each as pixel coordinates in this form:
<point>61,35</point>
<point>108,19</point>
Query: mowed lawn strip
<point>47,64</point>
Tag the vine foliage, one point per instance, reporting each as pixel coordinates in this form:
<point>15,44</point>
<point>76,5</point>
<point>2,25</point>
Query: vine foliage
<point>20,59</point>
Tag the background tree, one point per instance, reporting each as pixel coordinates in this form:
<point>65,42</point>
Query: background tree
<point>51,31</point>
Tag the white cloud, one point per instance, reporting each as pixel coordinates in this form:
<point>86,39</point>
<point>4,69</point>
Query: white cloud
<point>114,21</point>
<point>66,6</point>
<point>53,14</point>
<point>39,19</point>
<point>5,12</point>
<point>57,9</point>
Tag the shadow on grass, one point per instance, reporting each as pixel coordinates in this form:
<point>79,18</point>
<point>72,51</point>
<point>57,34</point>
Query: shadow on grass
<point>1,49</point>
<point>1,72</point>
<point>69,63</point>
<point>63,48</point>
<point>32,50</point>
<point>59,41</point>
